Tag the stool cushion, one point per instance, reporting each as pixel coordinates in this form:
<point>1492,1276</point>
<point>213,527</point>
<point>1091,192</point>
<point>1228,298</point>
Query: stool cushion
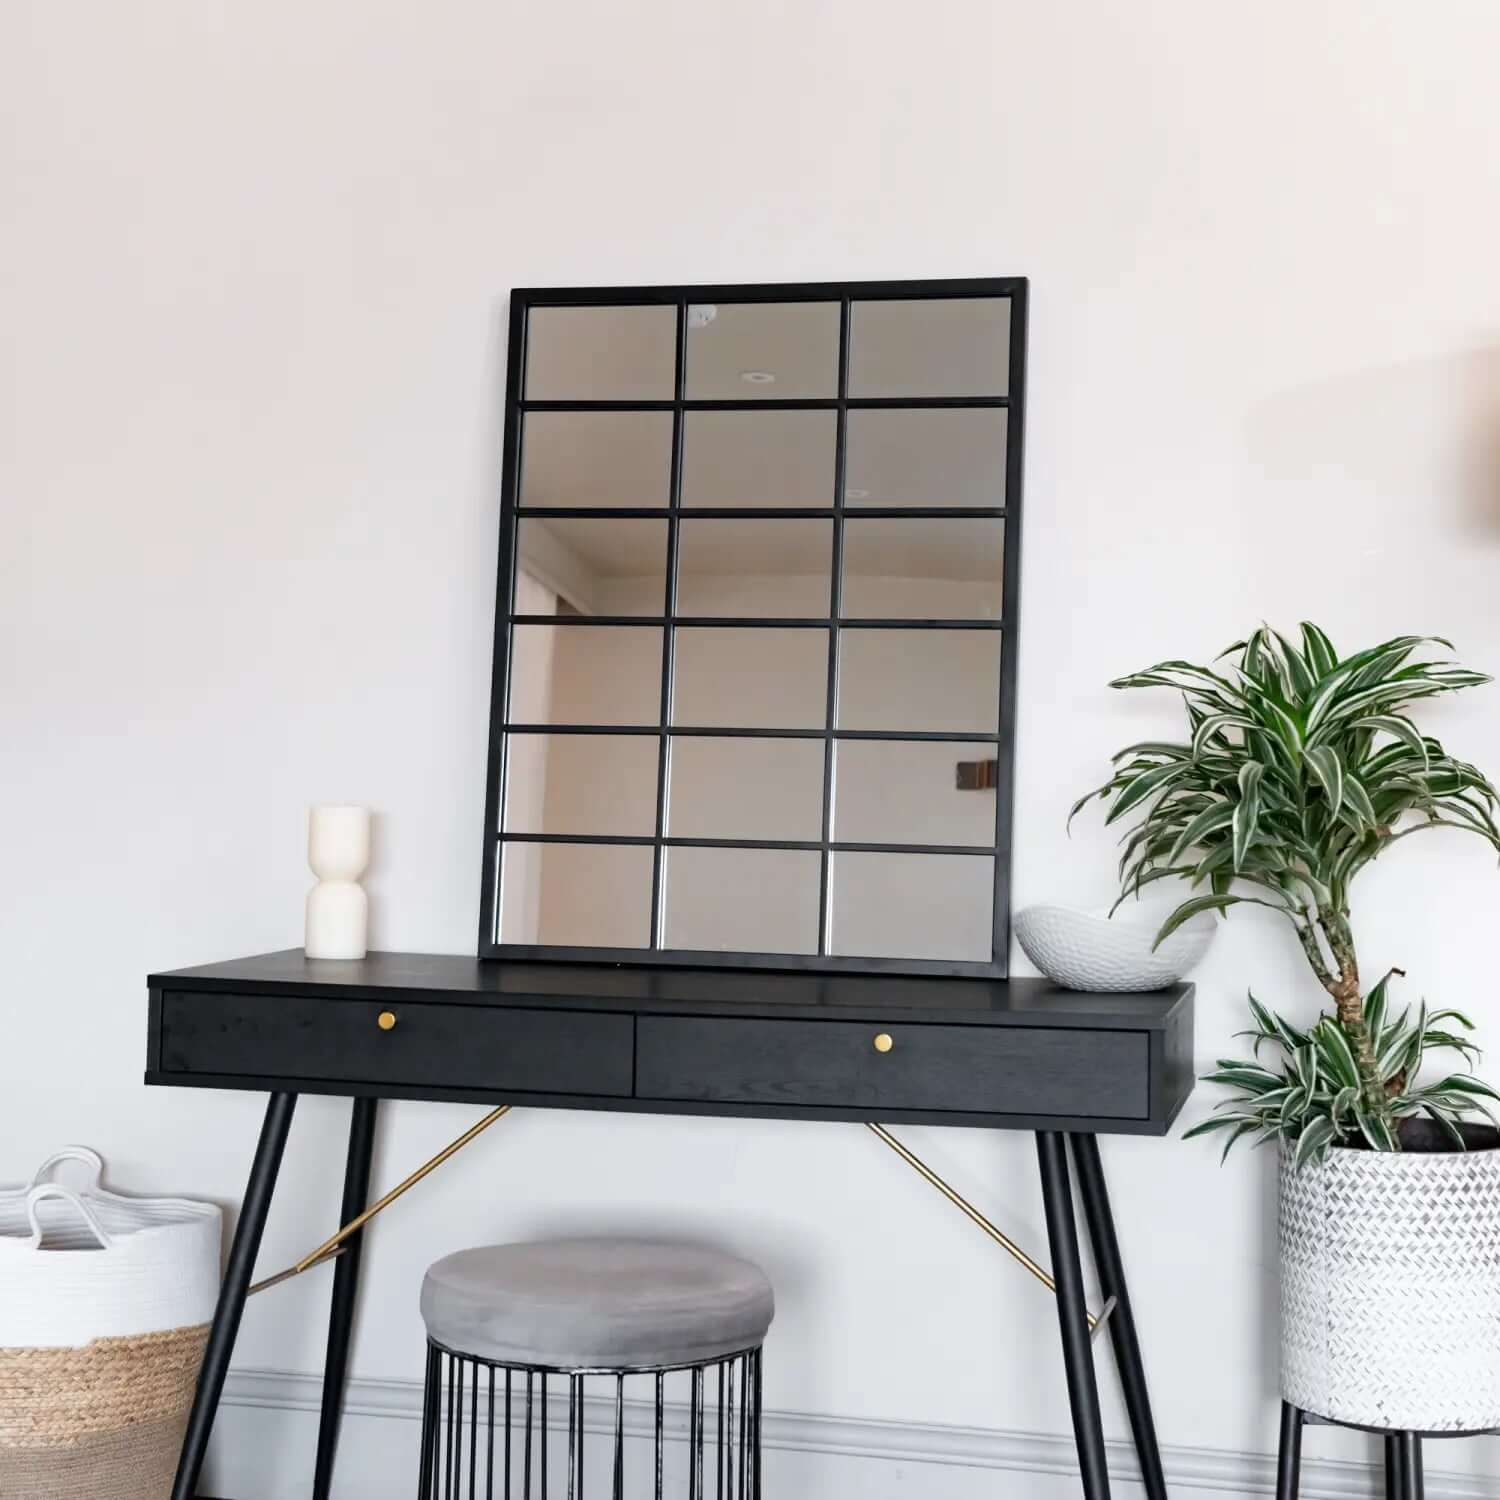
<point>613,1304</point>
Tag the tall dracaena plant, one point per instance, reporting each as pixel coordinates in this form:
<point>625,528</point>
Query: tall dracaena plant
<point>1301,767</point>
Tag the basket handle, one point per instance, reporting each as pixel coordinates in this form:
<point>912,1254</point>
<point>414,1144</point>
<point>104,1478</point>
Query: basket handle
<point>86,1154</point>
<point>57,1190</point>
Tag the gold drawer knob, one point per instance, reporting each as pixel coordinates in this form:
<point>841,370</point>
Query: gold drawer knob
<point>883,1042</point>
<point>386,1020</point>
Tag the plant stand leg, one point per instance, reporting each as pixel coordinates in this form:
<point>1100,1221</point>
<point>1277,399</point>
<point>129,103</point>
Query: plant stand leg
<point>231,1304</point>
<point>1289,1453</point>
<point>1072,1313</point>
<point>1412,1485</point>
<point>1393,1490</point>
<point>345,1284</point>
<point>1122,1333</point>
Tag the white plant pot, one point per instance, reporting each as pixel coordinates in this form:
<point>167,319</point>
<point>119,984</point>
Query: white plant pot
<point>1390,1287</point>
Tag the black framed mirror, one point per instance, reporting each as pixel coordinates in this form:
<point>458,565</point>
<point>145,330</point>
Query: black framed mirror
<point>753,700</point>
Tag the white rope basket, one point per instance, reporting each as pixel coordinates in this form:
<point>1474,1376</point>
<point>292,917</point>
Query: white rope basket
<point>85,1264</point>
<point>104,1306</point>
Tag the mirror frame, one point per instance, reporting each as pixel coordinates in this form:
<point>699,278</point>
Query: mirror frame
<point>845,293</point>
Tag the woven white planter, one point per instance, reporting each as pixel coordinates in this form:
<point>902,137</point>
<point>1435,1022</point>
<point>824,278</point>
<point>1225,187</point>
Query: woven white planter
<point>1390,1288</point>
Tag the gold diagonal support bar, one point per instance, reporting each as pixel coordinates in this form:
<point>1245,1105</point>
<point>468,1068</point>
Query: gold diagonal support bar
<point>958,1200</point>
<point>334,1245</point>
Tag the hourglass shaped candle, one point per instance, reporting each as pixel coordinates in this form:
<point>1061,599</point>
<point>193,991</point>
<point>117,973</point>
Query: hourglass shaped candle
<point>338,849</point>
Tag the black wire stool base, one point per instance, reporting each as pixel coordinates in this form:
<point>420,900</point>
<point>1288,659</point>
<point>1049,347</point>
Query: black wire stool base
<point>497,1430</point>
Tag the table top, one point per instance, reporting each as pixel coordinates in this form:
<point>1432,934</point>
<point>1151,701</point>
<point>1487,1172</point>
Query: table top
<point>458,979</point>
<point>1015,1054</point>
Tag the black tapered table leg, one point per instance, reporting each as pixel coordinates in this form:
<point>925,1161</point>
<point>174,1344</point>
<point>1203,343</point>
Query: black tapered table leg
<point>1122,1331</point>
<point>345,1284</point>
<point>1072,1313</point>
<point>1413,1486</point>
<point>1393,1487</point>
<point>231,1304</point>
<point>1289,1453</point>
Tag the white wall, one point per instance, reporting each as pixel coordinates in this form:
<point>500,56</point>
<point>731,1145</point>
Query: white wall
<point>253,267</point>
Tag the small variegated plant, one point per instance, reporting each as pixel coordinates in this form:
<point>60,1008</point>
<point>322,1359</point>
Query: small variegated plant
<point>1300,767</point>
<point>1312,1094</point>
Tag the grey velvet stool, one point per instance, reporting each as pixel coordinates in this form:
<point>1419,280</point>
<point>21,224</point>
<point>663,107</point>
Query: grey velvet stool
<point>517,1332</point>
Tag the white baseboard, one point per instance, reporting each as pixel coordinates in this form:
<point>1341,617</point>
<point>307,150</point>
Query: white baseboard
<point>896,1448</point>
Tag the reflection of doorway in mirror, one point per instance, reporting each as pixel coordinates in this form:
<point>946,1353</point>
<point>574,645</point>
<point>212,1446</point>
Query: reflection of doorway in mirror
<point>577,894</point>
<point>526,770</point>
<point>903,792</point>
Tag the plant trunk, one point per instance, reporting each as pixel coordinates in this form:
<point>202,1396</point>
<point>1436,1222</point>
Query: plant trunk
<point>1350,1005</point>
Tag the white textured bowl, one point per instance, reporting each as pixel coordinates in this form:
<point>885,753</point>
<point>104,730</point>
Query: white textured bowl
<point>1090,950</point>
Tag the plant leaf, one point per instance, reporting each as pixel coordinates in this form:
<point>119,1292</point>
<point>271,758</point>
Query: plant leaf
<point>1215,724</point>
<point>1453,1132</point>
<point>1323,761</point>
<point>1403,730</point>
<point>1247,810</point>
<point>1210,820</point>
<point>1190,909</point>
<point>1334,1046</point>
<point>1140,787</point>
<point>1318,649</point>
<point>1357,799</point>
<point>1313,1143</point>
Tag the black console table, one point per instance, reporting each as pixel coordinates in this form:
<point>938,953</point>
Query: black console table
<point>1009,1054</point>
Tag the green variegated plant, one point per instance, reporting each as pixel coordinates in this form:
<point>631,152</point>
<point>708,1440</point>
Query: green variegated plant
<point>1314,1094</point>
<point>1300,767</point>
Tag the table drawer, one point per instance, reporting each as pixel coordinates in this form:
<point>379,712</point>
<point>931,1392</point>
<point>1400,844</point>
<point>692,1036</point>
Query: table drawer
<point>979,1069</point>
<point>452,1046</point>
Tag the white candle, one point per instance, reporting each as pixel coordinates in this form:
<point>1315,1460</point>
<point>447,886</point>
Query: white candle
<point>338,849</point>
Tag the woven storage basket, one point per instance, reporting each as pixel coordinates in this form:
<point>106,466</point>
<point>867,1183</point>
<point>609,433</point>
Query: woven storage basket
<point>1390,1287</point>
<point>104,1304</point>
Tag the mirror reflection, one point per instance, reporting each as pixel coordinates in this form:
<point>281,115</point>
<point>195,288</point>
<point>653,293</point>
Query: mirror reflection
<point>768,568</point>
<point>596,458</point>
<point>926,455</point>
<point>762,351</point>
<point>601,353</point>
<point>906,792</point>
<point>940,568</point>
<point>941,346</point>
<point>945,681</point>
<point>758,458</point>
<point>933,906</point>
<point>576,895</point>
<point>598,566</point>
<point>724,788</point>
<point>742,900</point>
<point>585,674</point>
<point>581,784</point>
<point>742,677</point>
